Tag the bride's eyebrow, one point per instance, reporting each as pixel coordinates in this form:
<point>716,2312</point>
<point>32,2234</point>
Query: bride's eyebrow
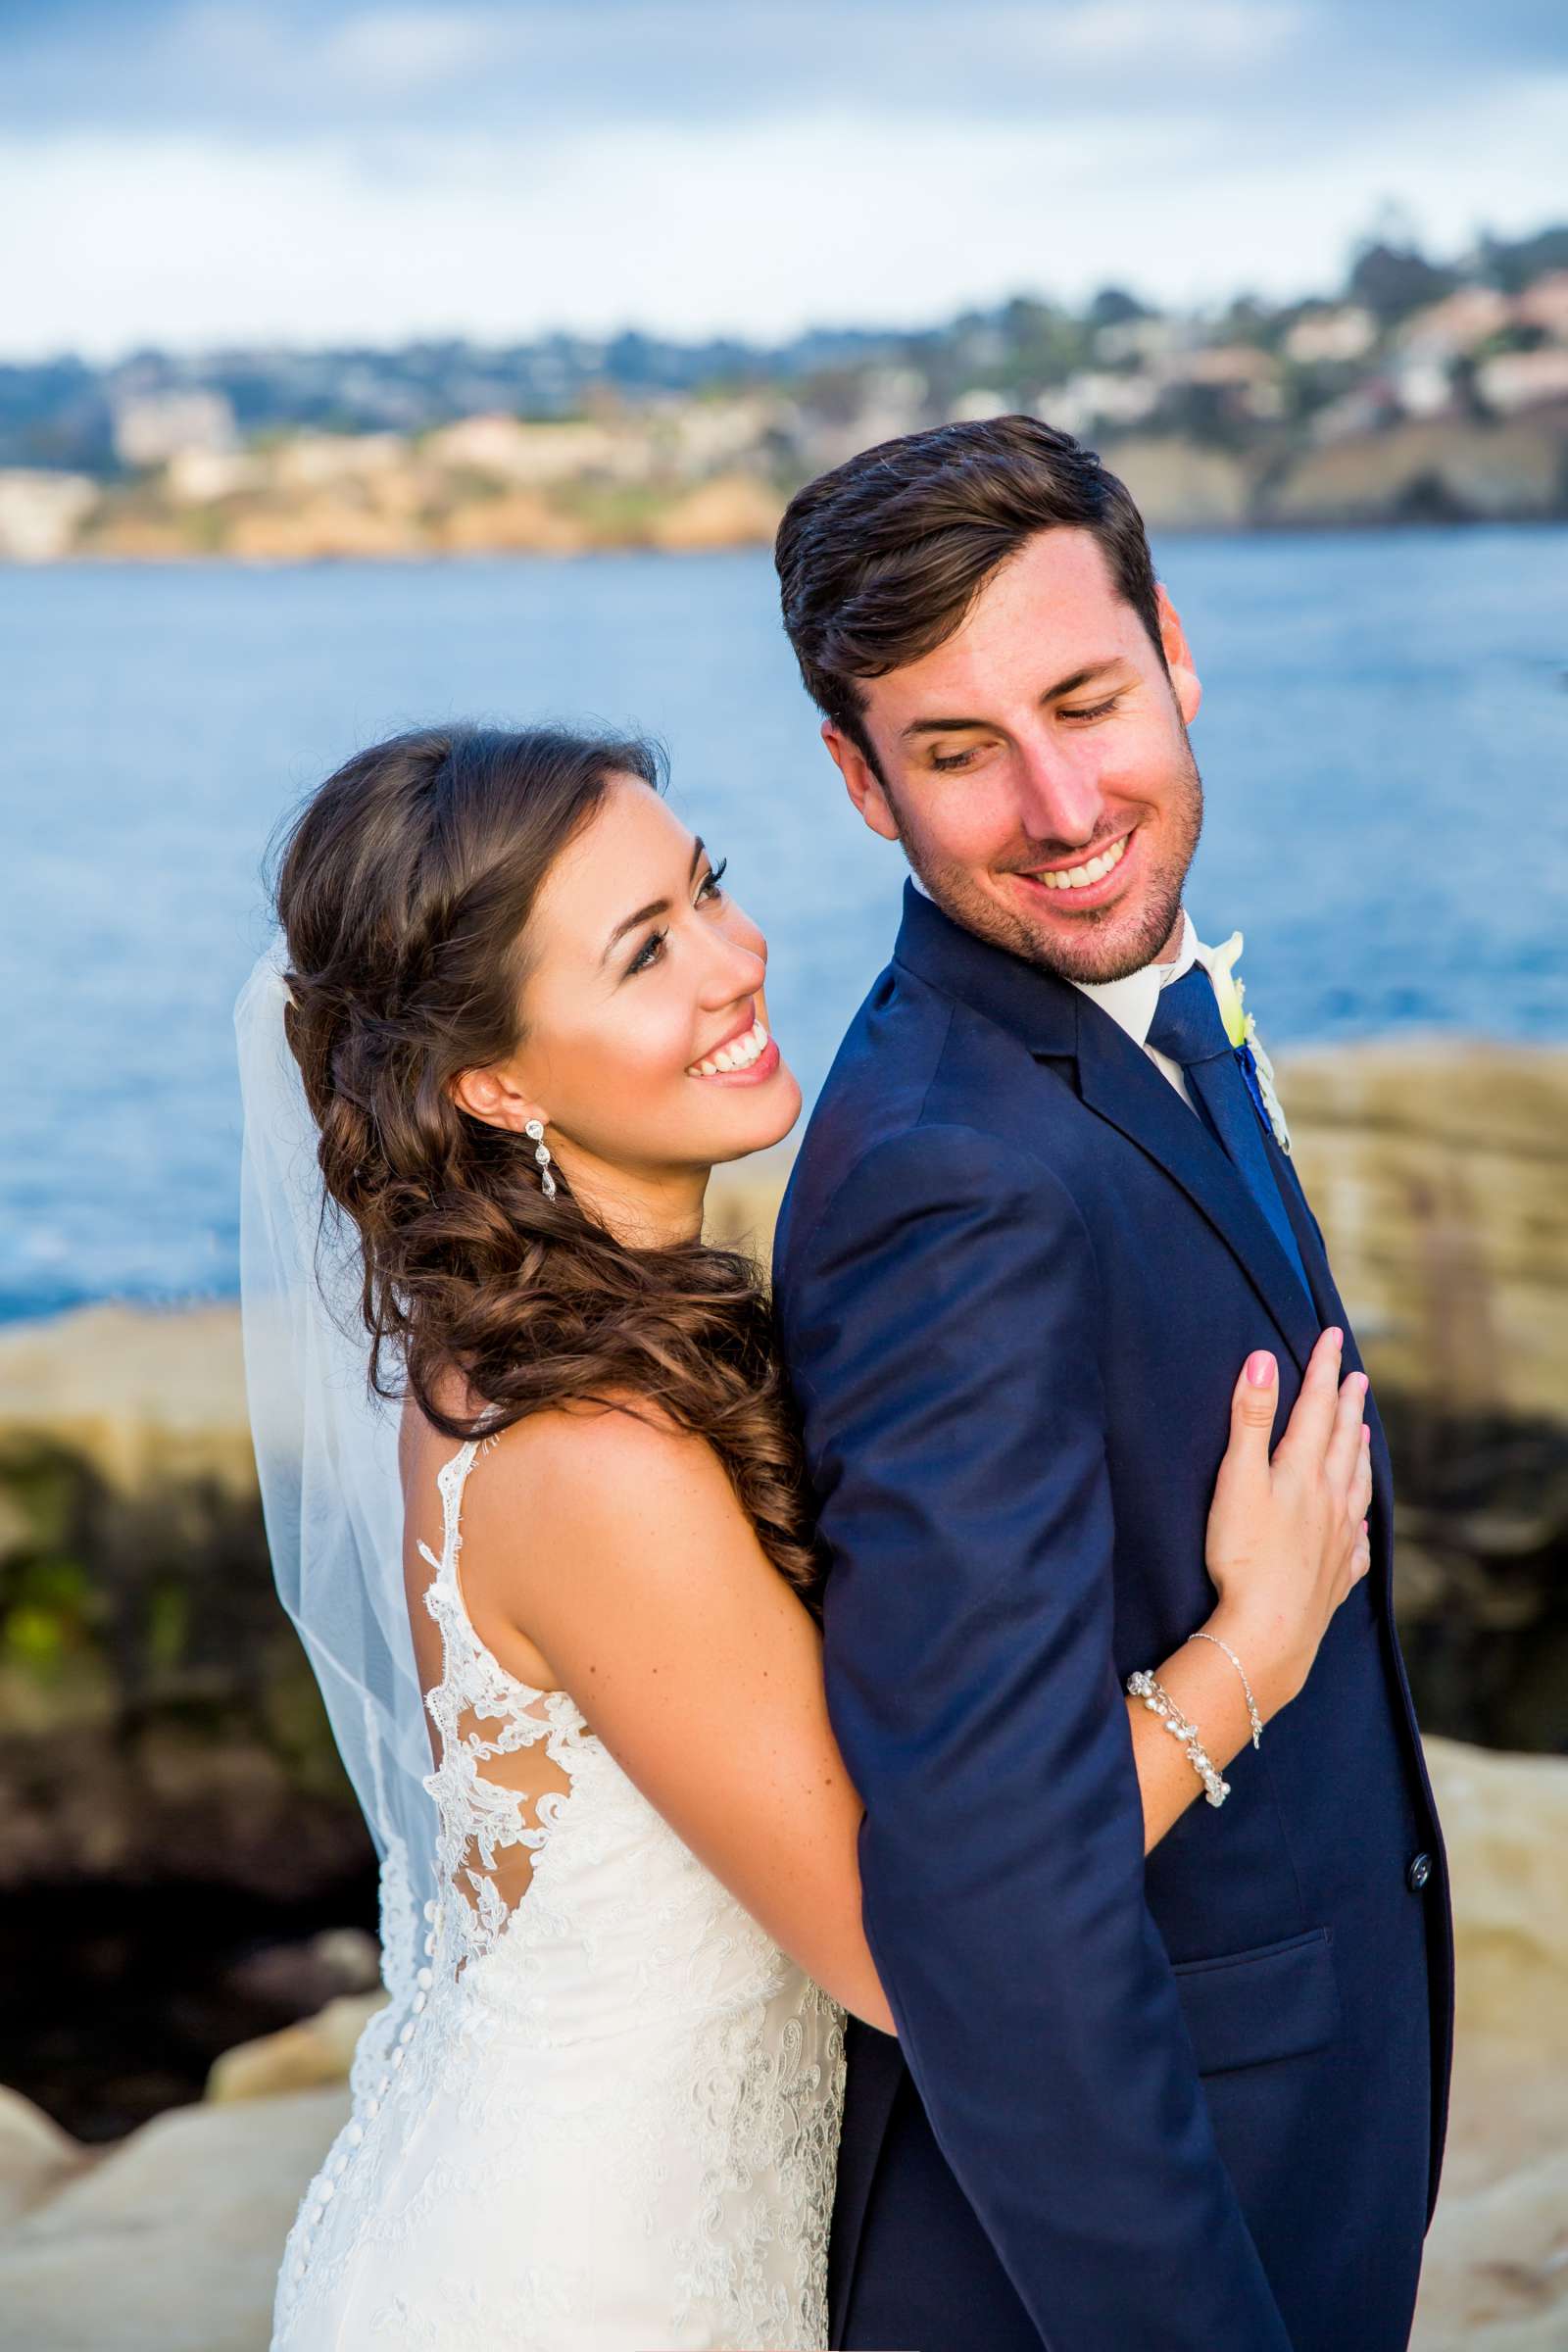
<point>646,914</point>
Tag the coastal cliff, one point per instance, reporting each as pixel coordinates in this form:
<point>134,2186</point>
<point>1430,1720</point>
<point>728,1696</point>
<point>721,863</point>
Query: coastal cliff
<point>376,496</point>
<point>1416,391</point>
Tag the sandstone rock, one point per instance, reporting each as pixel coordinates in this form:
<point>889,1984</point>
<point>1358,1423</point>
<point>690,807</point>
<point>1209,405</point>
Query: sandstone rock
<point>1178,485</point>
<point>743,1203</point>
<point>314,528</point>
<point>1439,1170</point>
<point>1495,2277</point>
<point>516,523</point>
<point>36,2158</point>
<point>1505,1825</point>
<point>130,538</point>
<point>148,1397</point>
<point>171,2241</point>
<point>733,510</point>
<point>1431,465</point>
<point>1495,2274</point>
<point>319,2049</point>
<point>158,1718</point>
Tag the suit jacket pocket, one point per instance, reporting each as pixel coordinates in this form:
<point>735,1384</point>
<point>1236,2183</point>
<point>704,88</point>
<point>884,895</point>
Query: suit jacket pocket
<point>1273,2001</point>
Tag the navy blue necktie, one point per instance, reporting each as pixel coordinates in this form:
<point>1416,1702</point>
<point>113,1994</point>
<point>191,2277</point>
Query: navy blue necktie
<point>1187,1026</point>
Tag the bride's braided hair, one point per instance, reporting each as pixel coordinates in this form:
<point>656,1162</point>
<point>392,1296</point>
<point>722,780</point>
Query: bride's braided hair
<point>404,890</point>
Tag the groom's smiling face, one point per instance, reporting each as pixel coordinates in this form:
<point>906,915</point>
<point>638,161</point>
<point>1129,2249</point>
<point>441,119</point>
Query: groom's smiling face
<point>1036,766</point>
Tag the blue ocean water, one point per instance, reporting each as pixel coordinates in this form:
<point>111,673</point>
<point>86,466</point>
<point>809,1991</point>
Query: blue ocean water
<point>1384,744</point>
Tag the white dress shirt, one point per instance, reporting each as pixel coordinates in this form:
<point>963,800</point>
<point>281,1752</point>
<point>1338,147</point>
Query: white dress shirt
<point>1131,1002</point>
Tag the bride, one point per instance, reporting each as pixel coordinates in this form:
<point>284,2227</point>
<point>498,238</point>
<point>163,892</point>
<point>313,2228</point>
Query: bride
<point>535,1504</point>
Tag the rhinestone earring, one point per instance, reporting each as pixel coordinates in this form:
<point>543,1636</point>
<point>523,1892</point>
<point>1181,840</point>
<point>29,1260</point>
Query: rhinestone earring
<point>536,1135</point>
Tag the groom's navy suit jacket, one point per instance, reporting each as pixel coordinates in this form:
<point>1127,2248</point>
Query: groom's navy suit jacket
<point>1196,2101</point>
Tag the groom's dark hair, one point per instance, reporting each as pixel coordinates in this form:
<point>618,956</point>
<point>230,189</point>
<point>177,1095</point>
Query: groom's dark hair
<point>880,560</point>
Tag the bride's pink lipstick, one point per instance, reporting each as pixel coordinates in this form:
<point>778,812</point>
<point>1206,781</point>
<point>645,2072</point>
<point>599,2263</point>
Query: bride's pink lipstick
<point>754,1072</point>
<point>766,1063</point>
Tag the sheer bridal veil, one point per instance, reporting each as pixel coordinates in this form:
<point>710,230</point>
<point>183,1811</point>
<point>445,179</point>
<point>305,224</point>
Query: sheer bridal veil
<point>327,1457</point>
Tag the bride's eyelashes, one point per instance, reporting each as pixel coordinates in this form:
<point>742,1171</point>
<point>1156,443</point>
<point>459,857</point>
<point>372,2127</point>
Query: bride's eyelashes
<point>708,892</point>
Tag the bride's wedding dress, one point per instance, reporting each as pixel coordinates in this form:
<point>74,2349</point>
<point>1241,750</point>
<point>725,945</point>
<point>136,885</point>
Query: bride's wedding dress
<point>601,2110</point>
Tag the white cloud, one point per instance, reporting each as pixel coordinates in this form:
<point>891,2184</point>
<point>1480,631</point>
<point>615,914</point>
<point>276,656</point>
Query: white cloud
<point>1224,33</point>
<point>756,227</point>
<point>401,51</point>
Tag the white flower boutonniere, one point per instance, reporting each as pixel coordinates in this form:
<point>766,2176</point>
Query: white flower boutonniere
<point>1228,990</point>
<point>1241,1030</point>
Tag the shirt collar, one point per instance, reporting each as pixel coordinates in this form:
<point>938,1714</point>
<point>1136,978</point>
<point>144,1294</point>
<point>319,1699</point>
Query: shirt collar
<point>1131,1001</point>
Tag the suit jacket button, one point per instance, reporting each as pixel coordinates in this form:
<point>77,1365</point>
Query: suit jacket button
<point>1417,1872</point>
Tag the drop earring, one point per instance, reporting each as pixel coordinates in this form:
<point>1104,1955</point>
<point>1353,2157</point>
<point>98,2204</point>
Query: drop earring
<point>536,1134</point>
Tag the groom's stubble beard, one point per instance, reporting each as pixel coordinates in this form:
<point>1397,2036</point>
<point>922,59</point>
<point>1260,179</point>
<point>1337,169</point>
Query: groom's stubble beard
<point>1101,947</point>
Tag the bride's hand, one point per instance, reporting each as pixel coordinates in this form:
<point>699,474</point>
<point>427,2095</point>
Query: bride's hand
<point>1288,1536</point>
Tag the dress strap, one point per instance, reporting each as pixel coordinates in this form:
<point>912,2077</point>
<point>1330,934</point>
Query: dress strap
<point>451,1479</point>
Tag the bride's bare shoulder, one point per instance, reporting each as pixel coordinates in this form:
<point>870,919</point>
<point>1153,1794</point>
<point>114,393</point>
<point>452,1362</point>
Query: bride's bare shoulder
<point>579,1450</point>
<point>577,1460</point>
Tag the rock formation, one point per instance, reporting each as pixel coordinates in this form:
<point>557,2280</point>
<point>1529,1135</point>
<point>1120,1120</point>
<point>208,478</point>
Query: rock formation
<point>203,2196</point>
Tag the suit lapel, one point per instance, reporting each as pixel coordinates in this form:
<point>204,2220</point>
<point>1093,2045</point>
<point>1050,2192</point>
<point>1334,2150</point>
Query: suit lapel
<point>1325,1293</point>
<point>1118,1080</point>
<point>1331,1309</point>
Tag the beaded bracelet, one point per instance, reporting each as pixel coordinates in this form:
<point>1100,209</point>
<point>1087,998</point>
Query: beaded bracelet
<point>1253,1715</point>
<point>1157,1699</point>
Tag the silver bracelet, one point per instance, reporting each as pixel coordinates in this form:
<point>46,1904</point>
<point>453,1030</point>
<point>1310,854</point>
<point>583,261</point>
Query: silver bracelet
<point>1254,1716</point>
<point>1158,1700</point>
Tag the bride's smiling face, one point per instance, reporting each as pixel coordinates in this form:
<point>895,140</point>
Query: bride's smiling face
<point>646,1046</point>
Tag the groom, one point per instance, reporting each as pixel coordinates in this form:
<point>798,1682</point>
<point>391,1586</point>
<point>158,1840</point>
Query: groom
<point>1195,2103</point>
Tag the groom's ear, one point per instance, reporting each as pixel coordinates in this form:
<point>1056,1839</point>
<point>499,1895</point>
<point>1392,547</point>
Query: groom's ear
<point>1186,684</point>
<point>861,781</point>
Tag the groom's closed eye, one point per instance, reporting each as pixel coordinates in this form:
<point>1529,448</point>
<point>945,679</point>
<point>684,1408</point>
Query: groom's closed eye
<point>950,760</point>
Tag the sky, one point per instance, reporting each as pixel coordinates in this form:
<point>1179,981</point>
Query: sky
<point>190,172</point>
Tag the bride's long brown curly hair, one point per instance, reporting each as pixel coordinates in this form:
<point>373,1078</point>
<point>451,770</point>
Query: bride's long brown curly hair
<point>404,890</point>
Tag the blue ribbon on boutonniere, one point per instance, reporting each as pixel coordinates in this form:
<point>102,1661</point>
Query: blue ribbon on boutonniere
<point>1241,1031</point>
<point>1249,1061</point>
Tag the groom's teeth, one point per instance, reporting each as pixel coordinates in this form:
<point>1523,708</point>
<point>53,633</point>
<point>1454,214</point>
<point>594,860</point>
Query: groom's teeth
<point>1077,876</point>
<point>738,1055</point>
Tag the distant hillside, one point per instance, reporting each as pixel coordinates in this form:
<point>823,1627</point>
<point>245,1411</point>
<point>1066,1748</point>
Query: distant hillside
<point>68,413</point>
<point>1416,391</point>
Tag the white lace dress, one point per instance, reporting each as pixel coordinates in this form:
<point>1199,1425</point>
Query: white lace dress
<point>601,2110</point>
